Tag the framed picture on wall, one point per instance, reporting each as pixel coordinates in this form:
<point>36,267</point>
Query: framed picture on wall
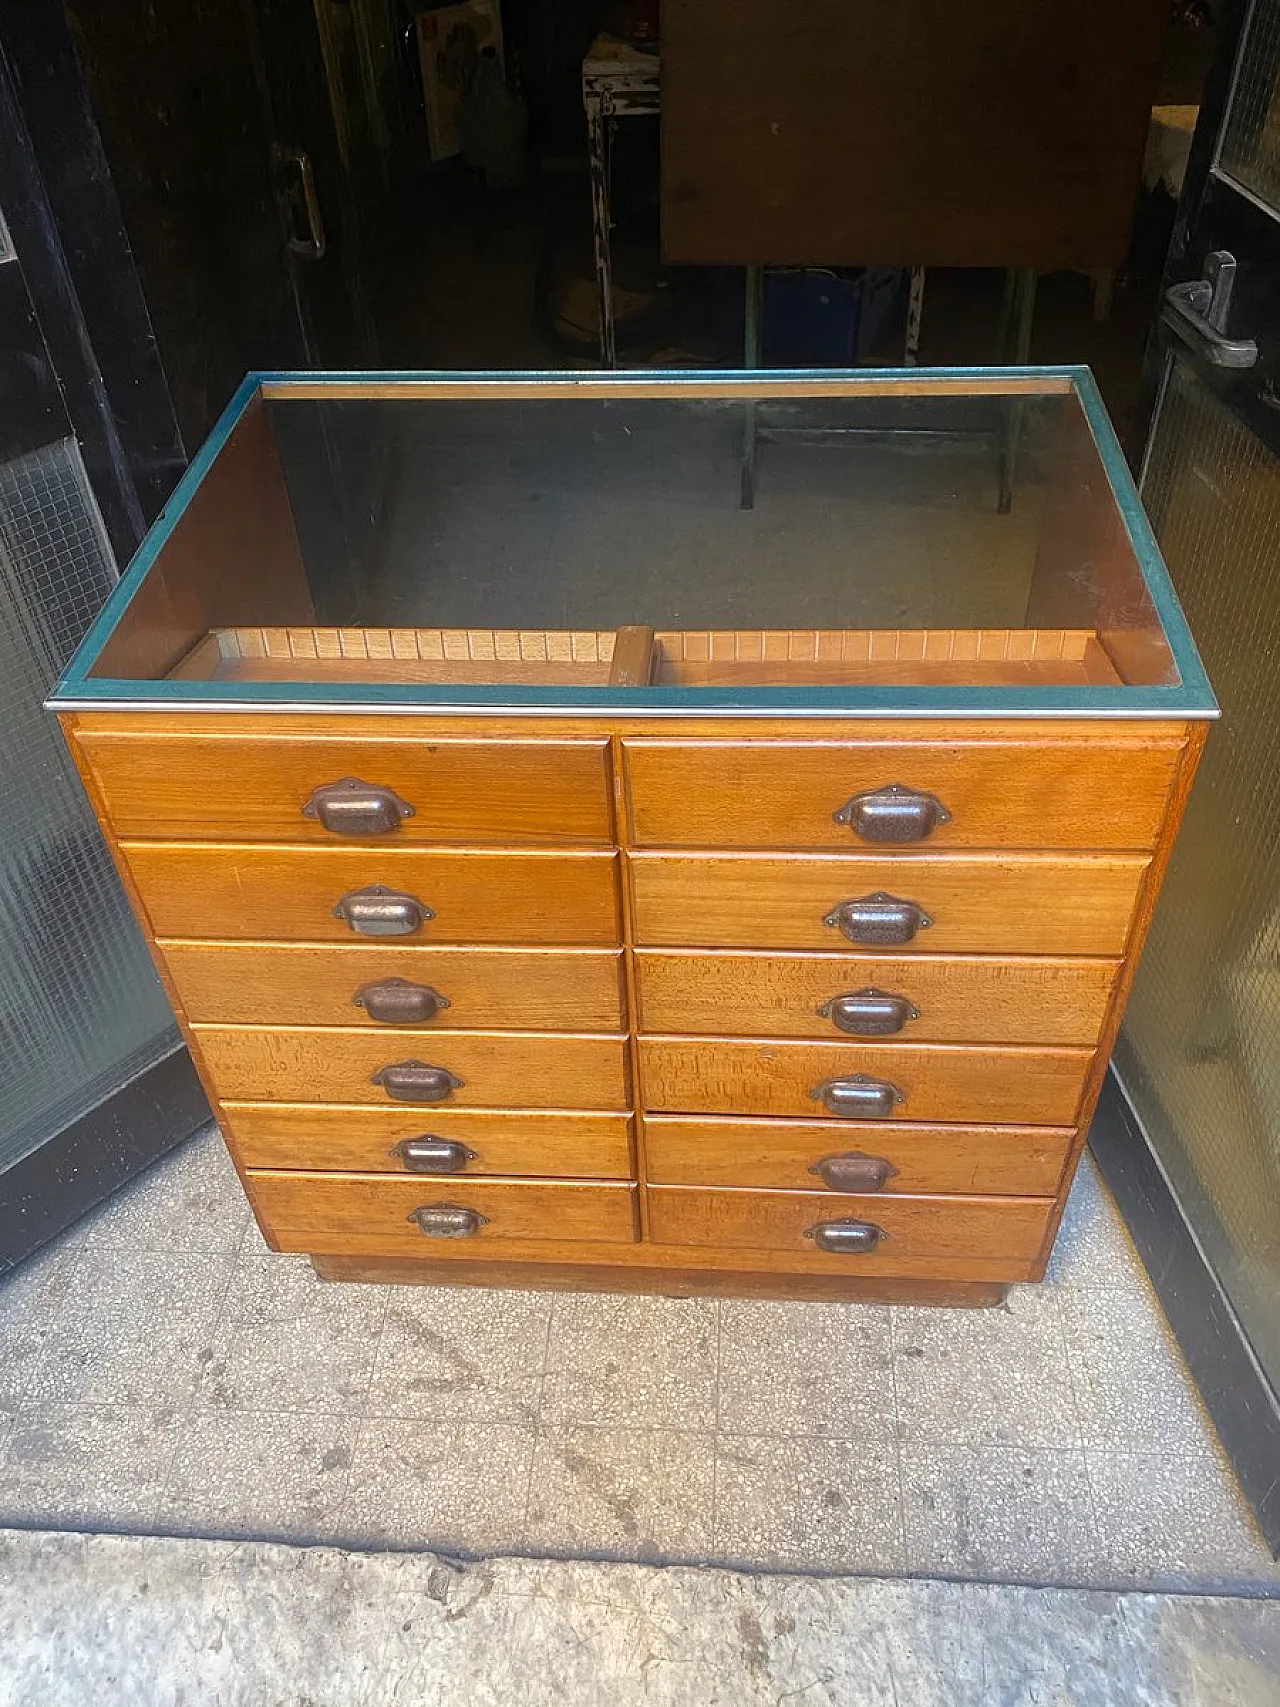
<point>451,41</point>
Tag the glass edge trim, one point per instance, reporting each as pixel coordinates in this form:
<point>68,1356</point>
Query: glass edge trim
<point>77,689</point>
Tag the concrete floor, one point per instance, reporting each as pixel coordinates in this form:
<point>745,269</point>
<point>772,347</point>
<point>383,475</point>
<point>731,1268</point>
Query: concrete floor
<point>161,1372</point>
<point>214,1624</point>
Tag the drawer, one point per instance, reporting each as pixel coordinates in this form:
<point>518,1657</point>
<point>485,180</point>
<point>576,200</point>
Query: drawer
<point>198,889</point>
<point>364,1140</point>
<point>980,1161</point>
<point>496,1069</point>
<point>353,1214</point>
<point>491,989</point>
<point>1099,790</point>
<point>995,1238</point>
<point>253,788</point>
<point>1032,1087</point>
<point>922,997</point>
<point>975,904</point>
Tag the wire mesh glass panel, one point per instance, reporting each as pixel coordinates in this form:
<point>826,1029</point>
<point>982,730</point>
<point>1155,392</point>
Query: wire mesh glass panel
<point>81,1009</point>
<point>1200,1051</point>
<point>1250,148</point>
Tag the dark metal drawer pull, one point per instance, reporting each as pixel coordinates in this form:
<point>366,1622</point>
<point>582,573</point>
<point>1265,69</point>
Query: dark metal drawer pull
<point>858,1097</point>
<point>869,1012</point>
<point>894,813</point>
<point>379,911</point>
<point>448,1220</point>
<point>881,920</point>
<point>846,1237</point>
<point>354,808</point>
<point>416,1081</point>
<point>853,1171</point>
<point>398,1001</point>
<point>432,1155</point>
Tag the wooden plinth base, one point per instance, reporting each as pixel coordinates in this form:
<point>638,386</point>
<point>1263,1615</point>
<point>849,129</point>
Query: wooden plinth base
<point>666,1283</point>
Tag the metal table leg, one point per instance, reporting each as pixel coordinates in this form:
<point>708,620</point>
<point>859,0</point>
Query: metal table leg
<point>1025,293</point>
<point>752,356</point>
<point>599,118</point>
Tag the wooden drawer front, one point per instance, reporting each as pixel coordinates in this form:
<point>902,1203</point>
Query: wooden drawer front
<point>1032,1087</point>
<point>1099,791</point>
<point>956,998</point>
<point>254,788</point>
<point>956,1236</point>
<point>491,989</point>
<point>979,904</point>
<point>338,1213</point>
<point>498,1070</point>
<point>198,889</point>
<point>363,1140</point>
<point>997,1161</point>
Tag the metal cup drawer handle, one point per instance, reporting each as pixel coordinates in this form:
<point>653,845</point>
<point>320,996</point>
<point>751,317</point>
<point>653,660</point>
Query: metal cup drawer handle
<point>399,1001</point>
<point>431,1155</point>
<point>893,813</point>
<point>858,1097</point>
<point>351,807</point>
<point>846,1237</point>
<point>379,911</point>
<point>448,1220</point>
<point>416,1081</point>
<point>854,1172</point>
<point>878,920</point>
<point>869,1012</point>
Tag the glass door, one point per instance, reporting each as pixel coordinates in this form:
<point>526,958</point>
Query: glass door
<point>1199,1057</point>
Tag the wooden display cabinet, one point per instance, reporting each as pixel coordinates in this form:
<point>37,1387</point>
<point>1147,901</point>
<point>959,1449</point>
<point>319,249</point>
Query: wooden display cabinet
<point>565,877</point>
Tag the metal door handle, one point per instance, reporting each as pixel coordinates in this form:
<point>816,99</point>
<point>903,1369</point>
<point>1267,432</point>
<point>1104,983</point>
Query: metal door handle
<point>448,1220</point>
<point>313,243</point>
<point>858,1097</point>
<point>893,813</point>
<point>869,1012</point>
<point>416,1081</point>
<point>880,919</point>
<point>854,1172</point>
<point>351,807</point>
<point>379,911</point>
<point>432,1155</point>
<point>846,1237</point>
<point>398,1001</point>
<point>1197,311</point>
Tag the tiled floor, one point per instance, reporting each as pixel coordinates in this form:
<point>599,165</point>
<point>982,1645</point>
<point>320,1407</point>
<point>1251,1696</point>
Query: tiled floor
<point>161,1372</point>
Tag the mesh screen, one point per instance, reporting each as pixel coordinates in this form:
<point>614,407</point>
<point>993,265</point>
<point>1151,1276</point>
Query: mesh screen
<point>1250,148</point>
<point>81,1009</point>
<point>1200,1051</point>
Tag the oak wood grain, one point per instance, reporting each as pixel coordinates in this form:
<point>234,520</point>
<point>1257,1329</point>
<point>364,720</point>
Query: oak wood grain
<point>947,1082</point>
<point>1006,904</point>
<point>1102,793</point>
<point>498,1069</point>
<point>979,1161</point>
<point>958,998</point>
<point>487,989</point>
<point>353,1139</point>
<point>212,784</point>
<point>263,891</point>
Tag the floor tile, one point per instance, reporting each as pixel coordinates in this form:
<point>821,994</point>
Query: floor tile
<point>461,1352</point>
<point>132,1328</point>
<point>637,1362</point>
<point>273,1475</point>
<point>999,1513</point>
<point>985,1375</point>
<point>622,1493</point>
<point>790,1369</point>
<point>286,1342</point>
<point>68,1465</point>
<point>1131,1385</point>
<point>1093,1248</point>
<point>191,1200</point>
<point>457,1486</point>
<point>31,1296</point>
<point>1167,1520</point>
<point>808,1503</point>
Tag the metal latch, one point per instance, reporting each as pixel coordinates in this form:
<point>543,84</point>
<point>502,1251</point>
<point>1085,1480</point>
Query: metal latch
<point>1197,312</point>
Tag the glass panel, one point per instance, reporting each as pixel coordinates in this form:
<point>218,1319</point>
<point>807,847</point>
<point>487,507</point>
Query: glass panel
<point>1250,148</point>
<point>1199,1048</point>
<point>81,1009</point>
<point>509,540</point>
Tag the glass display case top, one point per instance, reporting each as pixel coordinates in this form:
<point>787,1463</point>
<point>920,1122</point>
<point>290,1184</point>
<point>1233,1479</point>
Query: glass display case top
<point>868,543</point>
